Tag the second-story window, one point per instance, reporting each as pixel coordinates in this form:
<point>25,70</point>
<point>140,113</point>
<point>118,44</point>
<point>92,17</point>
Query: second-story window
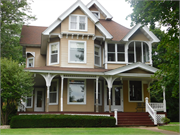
<point>30,62</point>
<point>54,53</point>
<point>97,55</point>
<point>78,22</point>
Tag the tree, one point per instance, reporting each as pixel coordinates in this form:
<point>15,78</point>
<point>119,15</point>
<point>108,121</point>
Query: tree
<point>16,84</point>
<point>14,13</point>
<point>166,58</point>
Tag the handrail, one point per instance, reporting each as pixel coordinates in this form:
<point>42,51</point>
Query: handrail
<point>157,106</point>
<point>151,111</point>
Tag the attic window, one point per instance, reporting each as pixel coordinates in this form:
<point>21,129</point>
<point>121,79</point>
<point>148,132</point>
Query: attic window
<point>96,13</point>
<point>78,22</point>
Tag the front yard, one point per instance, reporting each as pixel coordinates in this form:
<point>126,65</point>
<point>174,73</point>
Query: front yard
<point>172,126</point>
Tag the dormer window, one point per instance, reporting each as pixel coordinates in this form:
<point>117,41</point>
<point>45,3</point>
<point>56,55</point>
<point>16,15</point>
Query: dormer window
<point>54,53</point>
<point>78,22</point>
<point>30,62</point>
<point>96,13</point>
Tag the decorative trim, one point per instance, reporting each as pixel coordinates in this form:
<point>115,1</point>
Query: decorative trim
<point>32,53</point>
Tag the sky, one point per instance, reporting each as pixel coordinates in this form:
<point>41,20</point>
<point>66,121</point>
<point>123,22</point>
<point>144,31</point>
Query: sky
<point>47,11</point>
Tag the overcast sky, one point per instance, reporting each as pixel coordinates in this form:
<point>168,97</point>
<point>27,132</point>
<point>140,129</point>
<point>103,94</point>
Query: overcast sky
<point>47,11</point>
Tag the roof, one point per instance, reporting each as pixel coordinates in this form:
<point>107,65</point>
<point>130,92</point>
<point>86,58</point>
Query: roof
<point>116,30</point>
<point>31,34</point>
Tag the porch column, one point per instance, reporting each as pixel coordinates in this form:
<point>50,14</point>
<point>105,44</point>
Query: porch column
<point>62,79</point>
<point>105,55</point>
<point>97,94</point>
<point>47,100</point>
<point>109,99</point>
<point>164,99</point>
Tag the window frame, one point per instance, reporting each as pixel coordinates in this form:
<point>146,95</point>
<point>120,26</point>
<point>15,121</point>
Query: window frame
<point>78,21</point>
<point>76,103</point>
<point>28,62</point>
<point>57,92</point>
<point>31,101</point>
<point>142,91</point>
<point>96,12</point>
<point>97,56</point>
<point>50,44</point>
<point>98,93</point>
<point>76,41</point>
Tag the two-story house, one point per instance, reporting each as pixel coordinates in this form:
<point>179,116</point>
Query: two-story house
<point>86,62</point>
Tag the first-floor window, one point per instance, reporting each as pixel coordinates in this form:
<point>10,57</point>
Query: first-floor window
<point>77,91</point>
<point>53,93</point>
<point>29,101</point>
<point>135,92</point>
<point>77,51</point>
<point>30,62</point>
<point>99,93</point>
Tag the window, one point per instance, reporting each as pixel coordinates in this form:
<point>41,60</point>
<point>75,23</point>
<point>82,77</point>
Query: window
<point>78,22</point>
<point>29,101</point>
<point>30,62</point>
<point>96,14</point>
<point>135,91</point>
<point>116,53</point>
<point>54,53</point>
<point>53,93</point>
<point>77,52</point>
<point>99,93</point>
<point>76,92</point>
<point>138,52</point>
<point>97,55</point>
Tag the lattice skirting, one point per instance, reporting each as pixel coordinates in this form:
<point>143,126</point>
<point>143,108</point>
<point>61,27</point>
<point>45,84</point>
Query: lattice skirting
<point>159,118</point>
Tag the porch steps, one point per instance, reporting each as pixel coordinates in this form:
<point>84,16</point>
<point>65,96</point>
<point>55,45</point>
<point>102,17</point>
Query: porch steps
<point>134,119</point>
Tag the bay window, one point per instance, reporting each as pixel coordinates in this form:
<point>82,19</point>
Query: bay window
<point>97,55</point>
<point>53,93</point>
<point>77,52</point>
<point>54,53</point>
<point>78,22</point>
<point>76,91</point>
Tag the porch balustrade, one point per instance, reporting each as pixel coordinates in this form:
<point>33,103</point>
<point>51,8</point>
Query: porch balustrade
<point>21,107</point>
<point>157,106</point>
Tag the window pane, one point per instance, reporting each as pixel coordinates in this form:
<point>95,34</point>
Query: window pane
<point>135,91</point>
<point>96,14</point>
<point>53,86</point>
<point>138,52</point>
<point>54,58</point>
<point>77,52</point>
<point>82,23</point>
<point>117,95</point>
<point>54,48</point>
<point>146,52</point>
<point>76,91</point>
<point>52,97</point>
<point>111,47</point>
<point>28,102</point>
<point>111,56</point>
<point>97,60</point>
<point>73,22</point>
<point>121,57</point>
<point>96,50</point>
<point>39,99</point>
<point>131,52</point>
<point>120,48</point>
<point>30,62</point>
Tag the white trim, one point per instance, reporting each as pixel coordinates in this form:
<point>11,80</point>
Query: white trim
<point>32,53</point>
<point>57,92</point>
<point>96,12</point>
<point>28,61</point>
<point>108,15</point>
<point>31,101</point>
<point>76,103</point>
<point>95,45</point>
<point>35,107</point>
<point>142,90</point>
<point>99,84</point>
<point>76,41</point>
<point>50,44</point>
<point>77,25</point>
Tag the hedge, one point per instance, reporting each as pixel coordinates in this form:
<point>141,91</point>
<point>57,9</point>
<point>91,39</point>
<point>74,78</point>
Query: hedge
<point>42,121</point>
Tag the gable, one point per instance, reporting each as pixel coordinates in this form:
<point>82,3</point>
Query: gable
<point>138,70</point>
<point>138,35</point>
<point>93,8</point>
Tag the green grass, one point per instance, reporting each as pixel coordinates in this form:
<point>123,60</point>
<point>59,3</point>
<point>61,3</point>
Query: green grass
<point>78,131</point>
<point>170,128</point>
<point>174,123</point>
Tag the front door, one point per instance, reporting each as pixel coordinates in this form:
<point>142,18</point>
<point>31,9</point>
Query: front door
<point>39,100</point>
<point>116,98</point>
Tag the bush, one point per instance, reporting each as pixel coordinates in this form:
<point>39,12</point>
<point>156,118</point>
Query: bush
<point>41,121</point>
<point>165,120</point>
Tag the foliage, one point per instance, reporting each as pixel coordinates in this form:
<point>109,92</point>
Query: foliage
<point>165,120</point>
<point>14,13</point>
<point>16,84</point>
<point>39,121</point>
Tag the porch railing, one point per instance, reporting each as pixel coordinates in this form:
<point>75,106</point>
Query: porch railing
<point>22,106</point>
<point>157,106</point>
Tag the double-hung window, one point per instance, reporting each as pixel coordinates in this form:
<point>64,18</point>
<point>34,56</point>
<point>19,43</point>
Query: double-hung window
<point>53,93</point>
<point>29,101</point>
<point>78,22</point>
<point>116,53</point>
<point>77,52</point>
<point>76,91</point>
<point>97,55</point>
<point>54,53</point>
<point>30,62</point>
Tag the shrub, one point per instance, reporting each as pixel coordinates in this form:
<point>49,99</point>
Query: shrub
<point>165,120</point>
<point>41,121</point>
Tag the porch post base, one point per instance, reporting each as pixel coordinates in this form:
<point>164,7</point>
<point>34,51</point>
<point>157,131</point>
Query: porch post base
<point>109,105</point>
<point>47,105</point>
<point>97,109</point>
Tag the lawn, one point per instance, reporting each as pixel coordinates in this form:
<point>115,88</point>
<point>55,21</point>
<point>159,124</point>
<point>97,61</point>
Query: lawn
<point>172,126</point>
<point>77,131</point>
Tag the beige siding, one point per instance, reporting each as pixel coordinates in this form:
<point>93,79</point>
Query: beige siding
<point>98,33</point>
<point>138,35</point>
<point>65,24</point>
<point>114,66</point>
<point>93,8</point>
<point>89,53</point>
<point>39,60</point>
<point>57,29</point>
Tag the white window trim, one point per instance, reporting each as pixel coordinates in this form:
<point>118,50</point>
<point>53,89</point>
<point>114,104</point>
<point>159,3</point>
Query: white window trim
<point>57,80</point>
<point>69,43</point>
<point>141,90</point>
<point>97,12</point>
<point>84,92</point>
<point>28,61</point>
<point>78,16</point>
<point>100,92</point>
<point>50,53</point>
<point>96,55</point>
<point>31,101</point>
<point>116,55</point>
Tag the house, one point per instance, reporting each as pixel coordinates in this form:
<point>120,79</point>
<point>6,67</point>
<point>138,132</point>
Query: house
<point>86,62</point>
